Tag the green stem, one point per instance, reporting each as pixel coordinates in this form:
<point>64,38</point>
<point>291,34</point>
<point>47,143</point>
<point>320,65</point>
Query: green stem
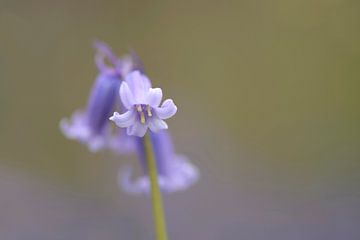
<point>156,200</point>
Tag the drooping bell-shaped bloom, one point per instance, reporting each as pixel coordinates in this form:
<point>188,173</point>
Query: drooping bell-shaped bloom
<point>175,172</point>
<point>143,106</point>
<point>91,126</point>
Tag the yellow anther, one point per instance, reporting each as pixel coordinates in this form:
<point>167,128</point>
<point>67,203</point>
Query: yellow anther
<point>148,109</point>
<point>142,117</point>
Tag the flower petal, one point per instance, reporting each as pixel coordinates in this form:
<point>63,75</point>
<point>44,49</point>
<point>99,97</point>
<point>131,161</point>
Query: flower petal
<point>138,186</point>
<point>103,52</point>
<point>139,85</point>
<point>96,143</point>
<point>181,176</point>
<point>167,109</point>
<point>156,124</point>
<point>121,143</point>
<point>137,129</point>
<point>76,128</point>
<point>154,97</point>
<point>127,98</point>
<point>125,119</point>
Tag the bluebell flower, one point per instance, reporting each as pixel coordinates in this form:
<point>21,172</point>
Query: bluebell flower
<point>91,126</point>
<point>143,106</point>
<point>121,84</point>
<point>175,172</point>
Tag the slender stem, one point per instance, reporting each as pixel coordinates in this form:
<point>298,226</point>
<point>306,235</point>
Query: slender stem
<point>156,200</point>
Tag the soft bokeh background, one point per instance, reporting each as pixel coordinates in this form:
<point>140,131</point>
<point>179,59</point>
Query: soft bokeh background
<point>268,96</point>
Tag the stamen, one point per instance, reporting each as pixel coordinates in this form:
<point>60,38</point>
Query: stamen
<point>138,108</point>
<point>148,109</point>
<point>142,117</point>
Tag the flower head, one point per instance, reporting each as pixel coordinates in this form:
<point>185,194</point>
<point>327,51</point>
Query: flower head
<point>91,126</point>
<point>143,106</point>
<point>175,172</point>
<point>122,84</point>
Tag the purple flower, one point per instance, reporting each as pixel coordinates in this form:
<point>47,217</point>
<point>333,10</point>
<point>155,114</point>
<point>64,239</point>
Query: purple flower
<point>175,172</point>
<point>91,126</point>
<point>143,105</point>
<point>121,84</point>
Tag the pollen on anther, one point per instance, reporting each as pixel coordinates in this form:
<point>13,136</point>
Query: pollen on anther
<point>138,108</point>
<point>148,109</point>
<point>142,117</point>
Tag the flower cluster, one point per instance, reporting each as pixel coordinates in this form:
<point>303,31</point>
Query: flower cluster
<point>123,86</point>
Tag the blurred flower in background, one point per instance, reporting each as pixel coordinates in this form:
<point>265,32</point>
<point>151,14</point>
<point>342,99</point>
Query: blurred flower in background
<point>175,172</point>
<point>91,126</point>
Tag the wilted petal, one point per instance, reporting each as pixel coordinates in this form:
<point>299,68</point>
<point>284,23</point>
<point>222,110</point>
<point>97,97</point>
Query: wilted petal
<point>137,129</point>
<point>167,109</point>
<point>156,124</point>
<point>154,97</point>
<point>126,95</point>
<point>124,120</point>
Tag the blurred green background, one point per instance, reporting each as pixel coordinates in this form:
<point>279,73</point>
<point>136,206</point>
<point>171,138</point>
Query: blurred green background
<point>268,97</point>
